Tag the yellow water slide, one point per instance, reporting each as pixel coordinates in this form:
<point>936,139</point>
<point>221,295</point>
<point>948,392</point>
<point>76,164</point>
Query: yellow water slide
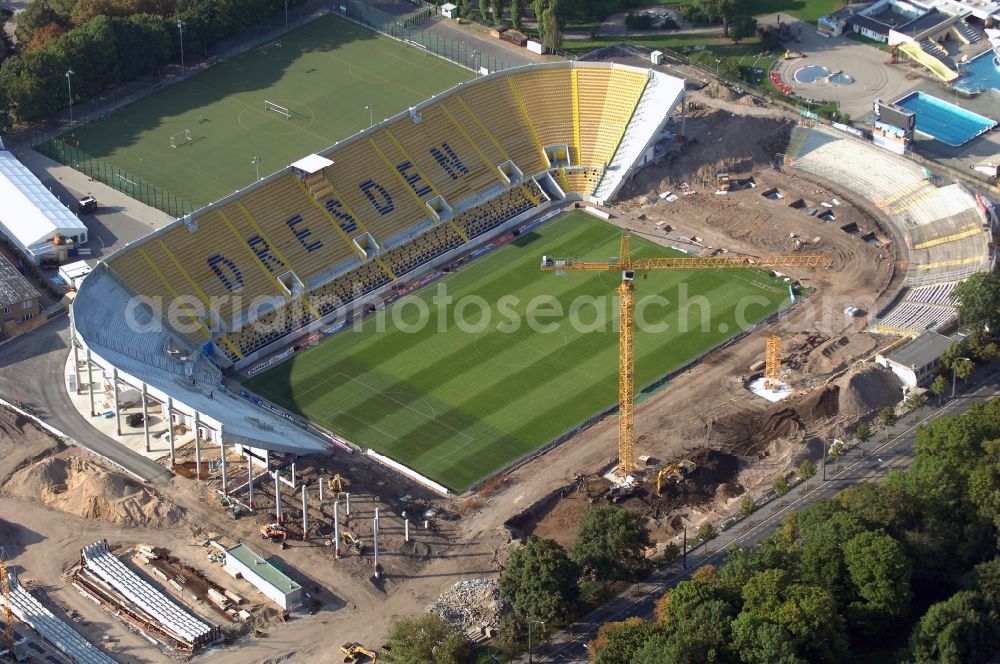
<point>940,69</point>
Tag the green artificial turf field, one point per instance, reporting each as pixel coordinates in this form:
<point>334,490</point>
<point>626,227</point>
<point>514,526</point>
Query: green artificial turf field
<point>457,405</point>
<point>325,73</point>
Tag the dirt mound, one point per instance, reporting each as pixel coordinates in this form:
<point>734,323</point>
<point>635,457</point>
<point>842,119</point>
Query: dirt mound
<point>77,486</point>
<point>750,434</point>
<point>869,388</point>
<point>748,100</point>
<point>819,404</point>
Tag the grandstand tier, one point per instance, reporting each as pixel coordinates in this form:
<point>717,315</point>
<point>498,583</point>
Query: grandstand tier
<point>228,282</point>
<point>946,236</point>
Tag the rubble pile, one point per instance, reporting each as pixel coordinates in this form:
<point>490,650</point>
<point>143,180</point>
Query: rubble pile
<point>470,604</point>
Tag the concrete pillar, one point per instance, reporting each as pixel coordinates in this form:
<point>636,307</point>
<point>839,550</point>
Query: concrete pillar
<point>375,541</point>
<point>305,515</point>
<point>76,354</point>
<point>348,504</point>
<point>222,456</point>
<point>90,383</point>
<point>293,476</point>
<point>406,529</point>
<point>277,496</point>
<point>170,428</point>
<point>336,529</point>
<point>197,448</point>
<point>321,493</point>
<point>250,484</point>
<point>145,415</point>
<point>118,412</point>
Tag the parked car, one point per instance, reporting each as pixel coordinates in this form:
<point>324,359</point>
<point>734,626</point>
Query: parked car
<point>88,204</point>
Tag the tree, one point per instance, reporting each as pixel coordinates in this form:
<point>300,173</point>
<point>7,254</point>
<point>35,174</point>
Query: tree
<point>747,506</point>
<point>37,14</point>
<point>984,483</point>
<point>540,580</point>
<point>512,633</point>
<point>978,301</point>
<point>807,469</point>
<point>985,580</point>
<point>428,639</point>
<point>706,532</point>
<point>516,13</point>
<point>144,45</point>
<point>862,432</point>
<point>703,635</point>
<point>725,11</point>
<point>618,641</point>
<point>44,35</point>
<point>964,368</point>
<point>671,554</point>
<point>951,354</point>
<point>610,543</point>
<point>960,629</point>
<point>939,387</point>
<point>781,486</point>
<point>497,10</point>
<point>551,32</point>
<point>484,9</point>
<point>914,401</point>
<point>741,27</point>
<point>30,81</point>
<point>761,642</point>
<point>887,416</point>
<point>880,573</point>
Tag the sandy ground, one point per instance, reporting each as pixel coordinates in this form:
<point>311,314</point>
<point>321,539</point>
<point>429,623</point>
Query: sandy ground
<point>701,414</point>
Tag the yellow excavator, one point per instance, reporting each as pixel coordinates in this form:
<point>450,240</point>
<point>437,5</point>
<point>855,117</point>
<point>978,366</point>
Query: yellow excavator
<point>354,652</point>
<point>352,541</point>
<point>674,472</point>
<point>274,532</point>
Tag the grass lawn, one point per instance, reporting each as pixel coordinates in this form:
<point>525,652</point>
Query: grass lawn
<point>458,404</point>
<point>325,73</point>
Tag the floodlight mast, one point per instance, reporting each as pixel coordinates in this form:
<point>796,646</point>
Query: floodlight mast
<point>626,331</point>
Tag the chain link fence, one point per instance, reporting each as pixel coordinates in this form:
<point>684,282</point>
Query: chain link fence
<point>407,29</point>
<point>117,178</point>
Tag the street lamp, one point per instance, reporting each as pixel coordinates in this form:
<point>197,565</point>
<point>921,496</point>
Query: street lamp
<point>180,28</point>
<point>954,365</point>
<point>476,54</point>
<point>371,119</point>
<point>530,624</point>
<point>69,86</point>
<point>256,162</point>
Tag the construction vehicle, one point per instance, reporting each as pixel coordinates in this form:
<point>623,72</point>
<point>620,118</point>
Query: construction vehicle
<point>352,541</point>
<point>275,532</point>
<point>676,472</point>
<point>335,485</point>
<point>722,181</point>
<point>233,508</point>
<point>626,330</point>
<point>353,652</point>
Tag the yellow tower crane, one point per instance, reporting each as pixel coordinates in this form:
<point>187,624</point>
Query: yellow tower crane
<point>628,267</point>
<point>772,363</point>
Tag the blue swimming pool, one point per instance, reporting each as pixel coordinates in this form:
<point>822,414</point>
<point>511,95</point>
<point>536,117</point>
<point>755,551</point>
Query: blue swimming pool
<point>980,73</point>
<point>943,121</point>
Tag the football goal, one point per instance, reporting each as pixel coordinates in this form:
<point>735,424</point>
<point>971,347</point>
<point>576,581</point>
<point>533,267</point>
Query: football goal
<point>180,138</point>
<point>280,110</point>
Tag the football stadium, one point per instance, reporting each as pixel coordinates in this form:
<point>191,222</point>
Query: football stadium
<point>257,276</point>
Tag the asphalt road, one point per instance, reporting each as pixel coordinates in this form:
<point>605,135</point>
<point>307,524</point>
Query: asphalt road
<point>864,463</point>
<point>31,370</point>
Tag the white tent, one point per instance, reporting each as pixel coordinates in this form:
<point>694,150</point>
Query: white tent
<point>31,216</point>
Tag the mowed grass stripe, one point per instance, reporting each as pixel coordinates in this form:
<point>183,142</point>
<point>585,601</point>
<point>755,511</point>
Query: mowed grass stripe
<point>326,73</point>
<point>458,405</point>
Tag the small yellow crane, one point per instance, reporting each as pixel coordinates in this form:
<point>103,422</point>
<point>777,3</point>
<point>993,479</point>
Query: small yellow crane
<point>772,363</point>
<point>628,267</point>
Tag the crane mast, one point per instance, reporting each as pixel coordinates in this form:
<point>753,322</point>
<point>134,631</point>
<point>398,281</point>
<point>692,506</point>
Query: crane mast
<point>626,297</point>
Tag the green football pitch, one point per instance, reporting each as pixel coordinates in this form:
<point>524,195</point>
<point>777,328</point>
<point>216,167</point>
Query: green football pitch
<point>325,73</point>
<point>457,403</point>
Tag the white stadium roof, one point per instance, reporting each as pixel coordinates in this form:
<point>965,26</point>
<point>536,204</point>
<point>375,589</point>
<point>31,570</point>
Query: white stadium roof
<point>31,215</point>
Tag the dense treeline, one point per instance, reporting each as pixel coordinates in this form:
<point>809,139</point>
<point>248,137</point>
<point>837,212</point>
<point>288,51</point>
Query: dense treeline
<point>905,570</point>
<point>107,42</point>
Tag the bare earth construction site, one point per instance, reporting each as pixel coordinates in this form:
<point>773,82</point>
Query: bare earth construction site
<point>66,500</point>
